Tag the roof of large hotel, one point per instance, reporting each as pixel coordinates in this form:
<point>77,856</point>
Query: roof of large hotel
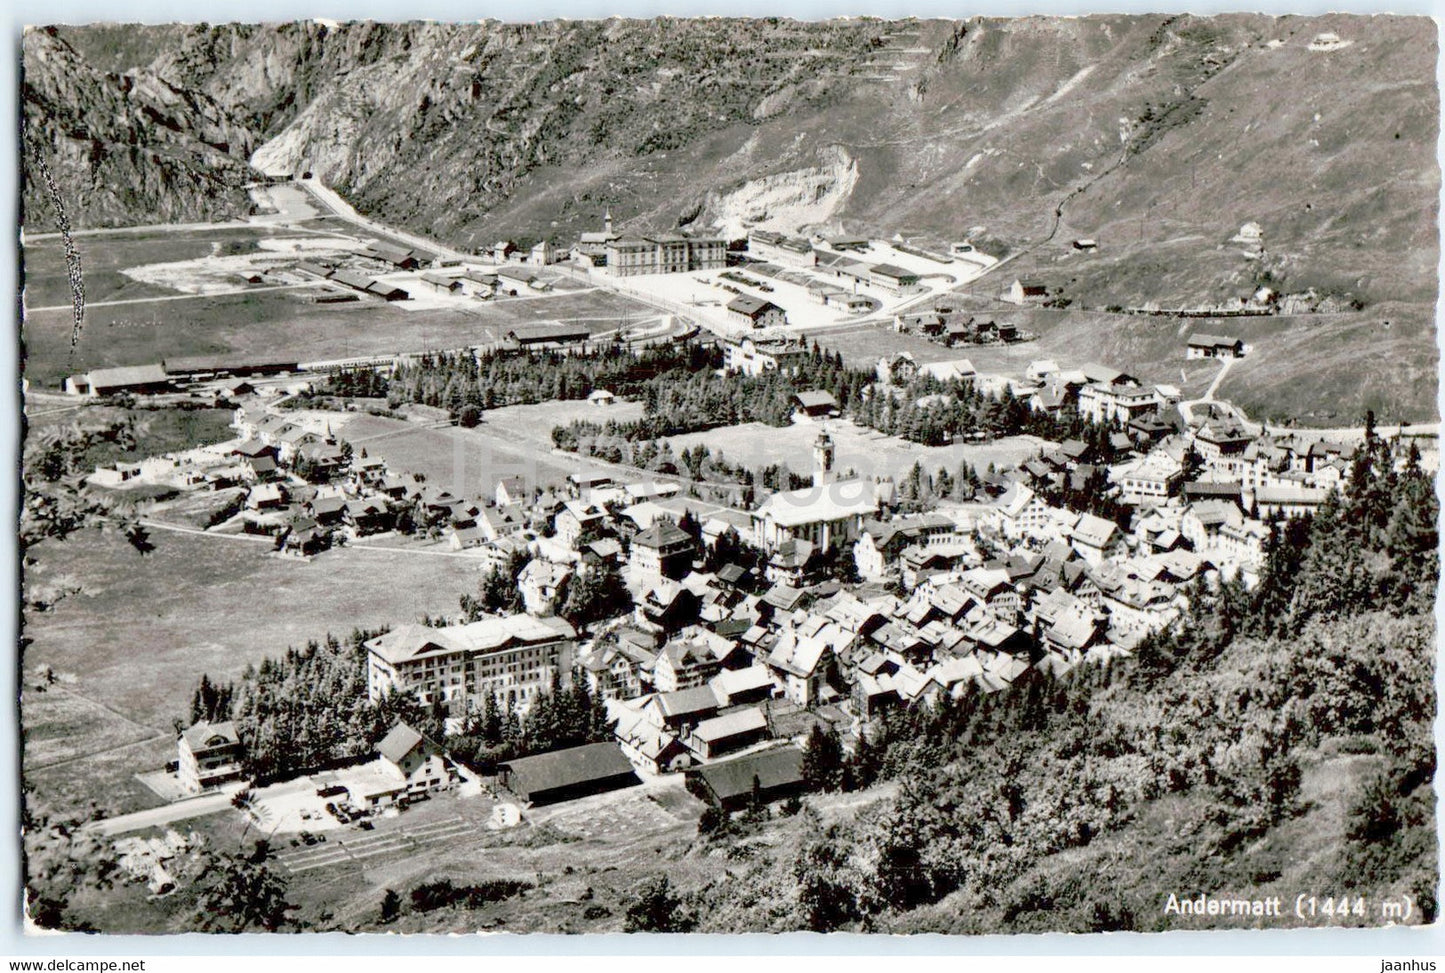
<point>409,642</point>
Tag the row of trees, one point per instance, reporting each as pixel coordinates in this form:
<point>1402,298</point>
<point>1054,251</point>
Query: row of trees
<point>460,381</point>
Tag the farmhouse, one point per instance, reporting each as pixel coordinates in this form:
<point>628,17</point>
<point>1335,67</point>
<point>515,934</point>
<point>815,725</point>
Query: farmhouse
<point>209,754</point>
<point>1026,289</point>
<point>1213,346</point>
<point>513,657</point>
<point>773,775</point>
<point>756,312</point>
<point>565,775</point>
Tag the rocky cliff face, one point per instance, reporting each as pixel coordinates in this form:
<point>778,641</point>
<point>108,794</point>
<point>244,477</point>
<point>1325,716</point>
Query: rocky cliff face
<point>1157,136</point>
<point>125,148</point>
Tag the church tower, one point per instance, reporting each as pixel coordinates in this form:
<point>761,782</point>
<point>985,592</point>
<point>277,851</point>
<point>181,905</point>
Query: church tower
<point>823,451</point>
<point>607,221</point>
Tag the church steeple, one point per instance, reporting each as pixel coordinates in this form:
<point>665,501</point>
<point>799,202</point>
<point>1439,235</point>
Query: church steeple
<point>823,452</point>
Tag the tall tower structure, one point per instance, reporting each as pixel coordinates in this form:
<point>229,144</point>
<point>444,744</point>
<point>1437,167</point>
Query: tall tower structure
<point>607,221</point>
<point>823,453</point>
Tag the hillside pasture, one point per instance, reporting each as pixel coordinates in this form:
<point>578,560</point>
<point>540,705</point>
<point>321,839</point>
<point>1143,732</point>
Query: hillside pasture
<point>139,632</point>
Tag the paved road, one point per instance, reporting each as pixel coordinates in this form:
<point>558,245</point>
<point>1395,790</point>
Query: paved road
<point>337,206</point>
<point>194,807</point>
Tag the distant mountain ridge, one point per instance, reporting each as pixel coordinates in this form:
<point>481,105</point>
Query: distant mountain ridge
<point>1157,136</point>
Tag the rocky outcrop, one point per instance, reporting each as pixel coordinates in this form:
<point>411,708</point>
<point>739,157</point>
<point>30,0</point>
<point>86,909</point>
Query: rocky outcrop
<point>124,148</point>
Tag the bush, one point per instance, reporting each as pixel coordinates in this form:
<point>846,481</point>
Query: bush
<point>430,896</point>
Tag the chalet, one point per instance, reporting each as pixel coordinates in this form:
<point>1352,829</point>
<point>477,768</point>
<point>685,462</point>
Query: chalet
<point>732,731</point>
<point>663,550</point>
<point>327,511</point>
<point>369,515</point>
<point>684,665</point>
<point>578,521</point>
<point>648,745</point>
<point>1213,346</point>
<point>1026,289</point>
<point>769,776</point>
<point>565,775</point>
<point>799,663</point>
<point>601,397</point>
<point>541,584</point>
<point>423,764</point>
<point>266,496</point>
<point>756,312</point>
<point>1096,539</point>
<point>512,490</point>
<point>667,606</point>
<point>814,404</point>
<point>209,754</point>
<point>754,356</point>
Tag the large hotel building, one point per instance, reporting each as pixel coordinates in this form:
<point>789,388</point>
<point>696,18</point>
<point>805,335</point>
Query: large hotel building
<point>670,253</point>
<point>513,657</point>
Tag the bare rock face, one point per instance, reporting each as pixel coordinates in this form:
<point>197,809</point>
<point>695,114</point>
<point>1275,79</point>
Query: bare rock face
<point>125,149</point>
<point>1158,135</point>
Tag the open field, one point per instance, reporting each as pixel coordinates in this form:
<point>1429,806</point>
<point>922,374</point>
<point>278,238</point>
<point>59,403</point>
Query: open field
<point>864,451</point>
<point>263,323</point>
<point>142,631</point>
<point>102,258</point>
<point>468,462</point>
<point>536,422</point>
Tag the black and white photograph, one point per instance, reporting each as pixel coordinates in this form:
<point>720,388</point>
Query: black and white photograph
<point>727,475</point>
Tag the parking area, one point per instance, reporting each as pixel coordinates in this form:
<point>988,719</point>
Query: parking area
<point>362,847</point>
<point>294,806</point>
